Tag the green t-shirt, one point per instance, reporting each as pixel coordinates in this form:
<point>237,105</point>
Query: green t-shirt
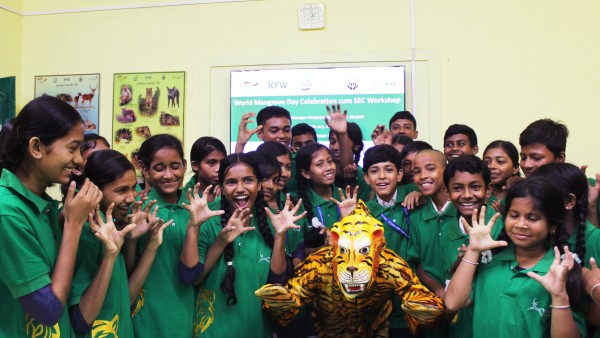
<point>30,238</point>
<point>251,260</point>
<point>365,192</point>
<point>592,243</point>
<point>424,245</point>
<point>324,210</point>
<point>292,237</point>
<point>508,303</point>
<point>115,315</point>
<point>395,241</point>
<point>451,239</point>
<point>167,305</point>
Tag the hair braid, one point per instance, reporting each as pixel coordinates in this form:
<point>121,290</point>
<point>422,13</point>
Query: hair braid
<point>229,279</point>
<point>581,209</point>
<point>263,225</point>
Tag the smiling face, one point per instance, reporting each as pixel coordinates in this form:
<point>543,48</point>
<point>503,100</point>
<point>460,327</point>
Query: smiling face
<point>166,171</point>
<point>322,168</point>
<point>428,171</point>
<point>240,186</point>
<point>383,178</point>
<point>500,164</point>
<point>467,192</point>
<point>458,145</point>
<point>285,163</point>
<point>277,129</point>
<point>536,155</point>
<point>122,193</point>
<point>208,169</point>
<point>270,187</point>
<point>57,160</point>
<point>525,225</point>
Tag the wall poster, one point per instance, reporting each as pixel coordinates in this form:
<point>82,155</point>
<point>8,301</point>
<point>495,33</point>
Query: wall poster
<point>146,104</point>
<point>82,91</point>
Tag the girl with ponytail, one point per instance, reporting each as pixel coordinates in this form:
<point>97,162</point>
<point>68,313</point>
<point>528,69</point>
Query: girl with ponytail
<point>229,260</point>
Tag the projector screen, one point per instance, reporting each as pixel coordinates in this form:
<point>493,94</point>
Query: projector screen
<point>371,95</point>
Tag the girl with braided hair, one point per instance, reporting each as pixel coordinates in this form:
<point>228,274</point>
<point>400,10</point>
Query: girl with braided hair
<point>229,260</point>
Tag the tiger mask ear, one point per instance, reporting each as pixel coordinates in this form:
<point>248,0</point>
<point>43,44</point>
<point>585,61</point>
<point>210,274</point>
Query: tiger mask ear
<point>335,237</point>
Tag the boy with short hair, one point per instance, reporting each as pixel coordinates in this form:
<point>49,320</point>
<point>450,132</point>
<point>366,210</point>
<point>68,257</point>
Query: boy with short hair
<point>543,141</point>
<point>459,140</point>
<point>401,123</point>
<point>468,182</point>
<point>302,135</point>
<point>383,172</point>
<point>273,124</point>
<point>427,221</point>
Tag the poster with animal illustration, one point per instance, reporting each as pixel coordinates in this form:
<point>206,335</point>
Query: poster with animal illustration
<point>82,91</point>
<point>146,104</point>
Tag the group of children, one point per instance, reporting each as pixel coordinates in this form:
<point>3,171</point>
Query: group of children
<point>508,255</point>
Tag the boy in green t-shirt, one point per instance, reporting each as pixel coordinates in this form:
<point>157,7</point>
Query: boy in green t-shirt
<point>427,221</point>
<point>383,172</point>
<point>459,140</point>
<point>467,180</point>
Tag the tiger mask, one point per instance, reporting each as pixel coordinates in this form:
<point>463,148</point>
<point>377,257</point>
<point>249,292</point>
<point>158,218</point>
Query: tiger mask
<point>357,244</point>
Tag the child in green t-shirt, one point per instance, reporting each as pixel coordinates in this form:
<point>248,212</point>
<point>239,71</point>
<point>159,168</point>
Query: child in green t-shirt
<point>525,286</point>
<point>502,159</point>
<point>205,157</point>
<point>228,260</point>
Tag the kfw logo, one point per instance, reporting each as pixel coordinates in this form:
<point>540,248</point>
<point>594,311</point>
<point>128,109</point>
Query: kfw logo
<point>277,85</point>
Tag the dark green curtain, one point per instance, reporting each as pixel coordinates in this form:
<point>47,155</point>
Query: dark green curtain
<point>7,99</point>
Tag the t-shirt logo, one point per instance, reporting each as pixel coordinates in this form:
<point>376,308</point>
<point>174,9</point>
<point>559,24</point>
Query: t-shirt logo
<point>534,307</point>
<point>37,330</point>
<point>264,259</point>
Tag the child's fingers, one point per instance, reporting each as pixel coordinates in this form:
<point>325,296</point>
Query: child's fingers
<point>188,193</point>
<point>465,224</point>
<point>535,276</point>
<point>149,206</point>
<point>128,229</point>
<point>481,215</point>
<point>297,207</point>
<point>593,264</point>
<point>109,211</point>
<point>355,195</point>
<point>206,191</point>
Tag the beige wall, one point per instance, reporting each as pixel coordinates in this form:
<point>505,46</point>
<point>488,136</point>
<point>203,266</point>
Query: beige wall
<point>10,40</point>
<point>495,65</point>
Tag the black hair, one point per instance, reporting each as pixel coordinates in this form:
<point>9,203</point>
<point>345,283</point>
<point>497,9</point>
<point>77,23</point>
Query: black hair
<point>382,153</point>
<point>304,128</point>
<point>204,146</point>
<point>414,147</point>
<point>403,115</point>
<point>155,143</point>
<point>267,164</point>
<point>5,131</point>
<point>467,164</point>
<point>462,129</point>
<point>569,179</point>
<point>355,135</point>
<point>274,149</point>
<point>227,285</point>
<point>550,133</point>
<point>401,139</point>
<point>270,112</point>
<point>549,201</point>
<point>46,118</point>
<point>105,166</point>
<point>509,149</point>
<point>91,140</point>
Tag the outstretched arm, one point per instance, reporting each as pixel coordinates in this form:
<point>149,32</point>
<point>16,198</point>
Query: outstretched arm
<point>338,123</point>
<point>244,134</point>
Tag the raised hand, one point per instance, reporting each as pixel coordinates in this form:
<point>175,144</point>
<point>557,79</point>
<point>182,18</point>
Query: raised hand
<point>140,216</point>
<point>198,207</point>
<point>78,206</point>
<point>555,281</point>
<point>155,236</point>
<point>350,172</point>
<point>244,134</point>
<point>238,224</point>
<point>381,135</point>
<point>348,201</point>
<point>286,218</point>
<point>336,120</point>
<point>591,277</point>
<point>479,234</point>
<point>111,238</point>
<point>413,199</point>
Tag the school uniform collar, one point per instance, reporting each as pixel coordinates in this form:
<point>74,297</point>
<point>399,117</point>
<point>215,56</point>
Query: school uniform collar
<point>316,200</point>
<point>385,204</point>
<point>41,203</point>
<point>508,255</point>
<point>456,231</point>
<point>431,212</point>
<point>154,195</point>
